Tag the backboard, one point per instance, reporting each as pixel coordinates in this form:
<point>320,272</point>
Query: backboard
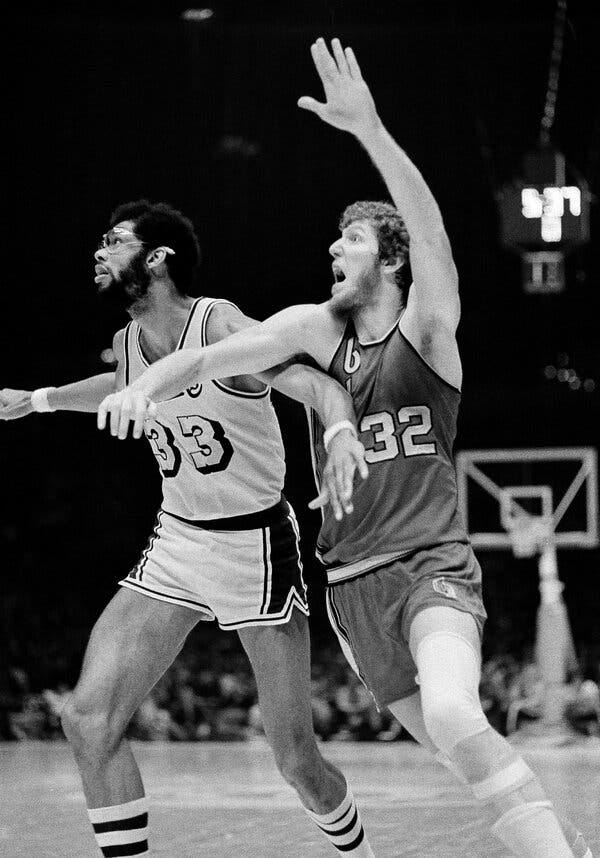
<point>558,484</point>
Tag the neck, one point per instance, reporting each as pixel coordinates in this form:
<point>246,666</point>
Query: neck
<point>161,316</point>
<point>373,321</point>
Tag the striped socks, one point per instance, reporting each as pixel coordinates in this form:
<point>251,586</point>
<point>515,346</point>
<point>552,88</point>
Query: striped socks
<point>121,829</point>
<point>343,828</point>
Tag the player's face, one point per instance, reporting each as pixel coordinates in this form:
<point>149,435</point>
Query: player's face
<point>121,270</point>
<point>356,266</point>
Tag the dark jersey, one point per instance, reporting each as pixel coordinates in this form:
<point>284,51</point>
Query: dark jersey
<point>407,422</point>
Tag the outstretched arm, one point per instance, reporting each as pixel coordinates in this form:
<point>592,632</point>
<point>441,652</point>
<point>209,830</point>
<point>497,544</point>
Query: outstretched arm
<point>84,395</point>
<point>246,352</point>
<point>349,106</point>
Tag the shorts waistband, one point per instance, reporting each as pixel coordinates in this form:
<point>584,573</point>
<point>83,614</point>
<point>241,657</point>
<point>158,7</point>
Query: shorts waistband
<point>250,521</point>
<point>337,574</point>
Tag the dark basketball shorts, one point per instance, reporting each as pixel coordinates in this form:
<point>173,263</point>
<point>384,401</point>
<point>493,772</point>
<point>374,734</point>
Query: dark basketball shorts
<point>372,614</point>
<point>243,571</point>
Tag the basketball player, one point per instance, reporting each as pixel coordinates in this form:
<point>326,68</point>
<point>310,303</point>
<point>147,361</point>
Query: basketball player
<point>404,591</point>
<point>225,544</point>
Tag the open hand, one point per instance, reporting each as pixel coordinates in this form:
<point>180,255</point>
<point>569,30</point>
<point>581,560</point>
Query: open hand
<point>15,404</point>
<point>346,456</point>
<point>349,104</point>
<point>125,406</point>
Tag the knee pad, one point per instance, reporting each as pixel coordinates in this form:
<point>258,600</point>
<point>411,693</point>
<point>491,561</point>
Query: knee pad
<point>449,678</point>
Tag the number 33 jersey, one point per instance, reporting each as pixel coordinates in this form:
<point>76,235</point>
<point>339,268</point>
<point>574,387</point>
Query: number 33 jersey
<point>407,419</point>
<point>219,450</point>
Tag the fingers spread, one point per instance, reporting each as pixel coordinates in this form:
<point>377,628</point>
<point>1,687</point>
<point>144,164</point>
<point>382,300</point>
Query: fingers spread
<point>323,60</point>
<point>340,57</point>
<point>353,66</point>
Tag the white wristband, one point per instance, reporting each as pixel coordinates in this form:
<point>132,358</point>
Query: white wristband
<point>330,433</point>
<point>39,399</point>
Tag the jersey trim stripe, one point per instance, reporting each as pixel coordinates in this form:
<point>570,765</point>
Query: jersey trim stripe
<point>424,362</point>
<point>244,394</point>
<point>208,310</point>
<point>126,347</point>
<point>185,331</point>
<point>381,339</point>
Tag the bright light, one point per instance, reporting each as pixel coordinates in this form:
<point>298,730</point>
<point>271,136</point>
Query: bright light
<point>551,228</point>
<point>551,202</point>
<point>197,14</point>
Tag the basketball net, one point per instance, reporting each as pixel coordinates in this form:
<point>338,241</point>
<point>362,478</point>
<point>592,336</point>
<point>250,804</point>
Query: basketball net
<point>554,648</point>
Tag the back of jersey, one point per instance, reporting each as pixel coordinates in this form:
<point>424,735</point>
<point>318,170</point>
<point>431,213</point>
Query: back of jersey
<point>407,421</point>
<point>219,450</point>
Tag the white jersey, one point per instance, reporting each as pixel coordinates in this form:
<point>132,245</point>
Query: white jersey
<point>219,450</point>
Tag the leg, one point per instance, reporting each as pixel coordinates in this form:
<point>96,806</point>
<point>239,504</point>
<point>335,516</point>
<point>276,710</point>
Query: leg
<point>280,658</point>
<point>409,712</point>
<point>444,643</point>
<point>132,644</point>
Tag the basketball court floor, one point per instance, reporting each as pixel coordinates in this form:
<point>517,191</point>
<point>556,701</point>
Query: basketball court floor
<point>228,801</point>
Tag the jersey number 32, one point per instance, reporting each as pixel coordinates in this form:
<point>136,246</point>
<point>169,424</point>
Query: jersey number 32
<point>413,422</point>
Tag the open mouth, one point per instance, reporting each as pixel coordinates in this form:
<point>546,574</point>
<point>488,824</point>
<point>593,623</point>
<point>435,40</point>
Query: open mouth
<point>338,274</point>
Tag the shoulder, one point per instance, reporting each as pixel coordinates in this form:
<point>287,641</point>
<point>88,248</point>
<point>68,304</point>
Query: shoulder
<point>224,319</point>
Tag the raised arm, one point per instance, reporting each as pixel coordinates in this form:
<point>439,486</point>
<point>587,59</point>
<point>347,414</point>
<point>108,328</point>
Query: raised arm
<point>349,106</point>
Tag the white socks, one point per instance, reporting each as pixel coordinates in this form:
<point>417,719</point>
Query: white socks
<point>343,828</point>
<point>121,829</point>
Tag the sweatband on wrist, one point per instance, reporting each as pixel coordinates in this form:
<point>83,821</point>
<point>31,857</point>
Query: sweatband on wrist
<point>39,399</point>
<point>330,433</point>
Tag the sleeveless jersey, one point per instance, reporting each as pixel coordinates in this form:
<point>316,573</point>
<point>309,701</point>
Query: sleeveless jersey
<point>407,422</point>
<point>219,450</point>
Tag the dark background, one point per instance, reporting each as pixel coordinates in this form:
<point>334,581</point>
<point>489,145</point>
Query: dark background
<point>127,100</point>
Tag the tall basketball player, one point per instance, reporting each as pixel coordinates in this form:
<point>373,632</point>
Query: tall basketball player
<point>225,545</point>
<point>404,591</point>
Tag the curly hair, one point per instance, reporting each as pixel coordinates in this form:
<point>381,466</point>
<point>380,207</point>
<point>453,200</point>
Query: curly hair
<point>392,236</point>
<point>159,223</point>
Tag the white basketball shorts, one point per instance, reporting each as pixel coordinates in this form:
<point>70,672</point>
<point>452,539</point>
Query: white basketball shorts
<point>242,571</point>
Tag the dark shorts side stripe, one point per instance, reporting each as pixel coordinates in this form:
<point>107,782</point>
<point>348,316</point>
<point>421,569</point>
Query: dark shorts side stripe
<point>286,566</point>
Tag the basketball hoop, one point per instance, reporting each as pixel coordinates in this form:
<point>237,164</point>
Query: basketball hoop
<point>529,534</point>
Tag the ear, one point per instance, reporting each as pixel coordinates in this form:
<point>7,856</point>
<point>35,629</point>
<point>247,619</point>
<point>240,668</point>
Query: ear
<point>393,265</point>
<point>156,257</point>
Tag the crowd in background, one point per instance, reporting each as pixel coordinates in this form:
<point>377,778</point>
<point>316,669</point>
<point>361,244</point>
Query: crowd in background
<point>211,696</point>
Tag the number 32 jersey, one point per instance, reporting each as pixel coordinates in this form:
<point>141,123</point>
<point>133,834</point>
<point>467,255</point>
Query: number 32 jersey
<point>219,450</point>
<point>407,422</point>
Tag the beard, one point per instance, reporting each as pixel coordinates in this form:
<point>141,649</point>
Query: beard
<point>354,296</point>
<point>130,287</point>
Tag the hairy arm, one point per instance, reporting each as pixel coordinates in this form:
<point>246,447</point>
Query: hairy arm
<point>433,307</point>
<point>247,351</point>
